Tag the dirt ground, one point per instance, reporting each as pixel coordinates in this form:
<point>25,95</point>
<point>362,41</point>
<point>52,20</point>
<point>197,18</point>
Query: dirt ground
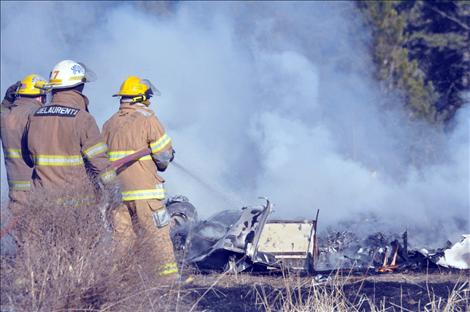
<point>393,292</point>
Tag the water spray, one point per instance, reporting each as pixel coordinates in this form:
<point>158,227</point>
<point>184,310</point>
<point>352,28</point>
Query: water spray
<point>228,198</point>
<point>126,161</point>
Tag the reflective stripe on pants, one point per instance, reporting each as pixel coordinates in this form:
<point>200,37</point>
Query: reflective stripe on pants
<point>13,153</point>
<point>19,185</point>
<point>156,193</point>
<point>168,268</point>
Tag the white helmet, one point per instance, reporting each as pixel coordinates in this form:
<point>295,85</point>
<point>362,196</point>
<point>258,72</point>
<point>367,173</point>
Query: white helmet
<point>68,74</point>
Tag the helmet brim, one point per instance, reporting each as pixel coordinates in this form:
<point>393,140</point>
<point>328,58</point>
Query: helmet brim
<point>90,75</point>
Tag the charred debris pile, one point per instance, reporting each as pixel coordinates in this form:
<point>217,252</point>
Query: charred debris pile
<point>248,240</point>
<point>389,253</point>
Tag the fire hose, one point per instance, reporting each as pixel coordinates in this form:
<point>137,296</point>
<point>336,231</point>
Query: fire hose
<point>121,164</point>
<point>117,165</point>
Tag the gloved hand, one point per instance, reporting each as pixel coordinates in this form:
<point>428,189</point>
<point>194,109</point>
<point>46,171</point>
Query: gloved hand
<point>10,94</point>
<point>163,159</point>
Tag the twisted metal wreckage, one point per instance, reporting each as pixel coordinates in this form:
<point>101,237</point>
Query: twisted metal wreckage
<point>247,240</point>
<point>242,240</point>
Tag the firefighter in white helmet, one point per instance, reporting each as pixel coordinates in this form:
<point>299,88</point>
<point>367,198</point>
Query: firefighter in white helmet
<point>21,100</point>
<point>143,214</point>
<point>64,142</point>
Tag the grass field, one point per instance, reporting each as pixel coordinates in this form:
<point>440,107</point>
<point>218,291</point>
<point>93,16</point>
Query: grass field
<point>445,291</point>
<point>67,263</point>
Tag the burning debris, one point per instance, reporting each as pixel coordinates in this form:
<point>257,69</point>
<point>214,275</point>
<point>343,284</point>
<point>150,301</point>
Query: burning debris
<point>386,254</point>
<point>241,240</point>
<point>247,240</point>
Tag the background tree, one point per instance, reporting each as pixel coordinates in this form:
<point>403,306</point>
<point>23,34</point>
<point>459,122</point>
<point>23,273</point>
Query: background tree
<point>422,48</point>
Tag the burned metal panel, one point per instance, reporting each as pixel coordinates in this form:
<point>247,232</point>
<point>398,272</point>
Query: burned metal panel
<point>242,240</point>
<point>237,240</point>
<point>291,242</point>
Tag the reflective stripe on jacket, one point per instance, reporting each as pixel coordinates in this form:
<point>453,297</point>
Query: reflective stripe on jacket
<point>116,155</point>
<point>132,128</point>
<point>57,160</point>
<point>65,144</point>
<point>13,120</point>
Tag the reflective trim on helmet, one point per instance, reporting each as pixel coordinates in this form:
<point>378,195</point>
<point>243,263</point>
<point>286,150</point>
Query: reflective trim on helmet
<point>116,155</point>
<point>160,144</point>
<point>77,78</point>
<point>108,176</point>
<point>68,74</point>
<point>95,150</point>
<point>19,185</point>
<point>57,160</point>
<point>168,268</point>
<point>157,193</point>
<point>32,85</point>
<point>13,153</point>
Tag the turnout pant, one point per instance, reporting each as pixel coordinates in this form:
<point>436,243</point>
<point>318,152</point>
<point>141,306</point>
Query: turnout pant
<point>133,224</point>
<point>17,206</point>
<point>18,201</point>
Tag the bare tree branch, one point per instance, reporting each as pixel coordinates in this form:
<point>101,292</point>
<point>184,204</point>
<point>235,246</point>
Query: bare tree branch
<point>452,18</point>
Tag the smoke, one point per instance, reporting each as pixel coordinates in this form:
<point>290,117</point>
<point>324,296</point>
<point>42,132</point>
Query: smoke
<point>261,99</point>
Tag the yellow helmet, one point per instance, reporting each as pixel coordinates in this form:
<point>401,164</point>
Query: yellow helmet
<point>33,85</point>
<point>138,89</point>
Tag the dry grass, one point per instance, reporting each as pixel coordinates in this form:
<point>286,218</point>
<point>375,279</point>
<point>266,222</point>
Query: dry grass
<point>458,300</point>
<point>299,296</point>
<point>67,262</point>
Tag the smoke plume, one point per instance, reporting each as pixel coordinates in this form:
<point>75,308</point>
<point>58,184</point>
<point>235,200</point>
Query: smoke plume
<point>261,99</point>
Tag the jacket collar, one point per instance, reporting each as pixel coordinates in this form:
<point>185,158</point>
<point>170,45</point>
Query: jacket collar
<point>71,98</point>
<point>26,100</point>
<point>132,106</point>
<point>19,101</point>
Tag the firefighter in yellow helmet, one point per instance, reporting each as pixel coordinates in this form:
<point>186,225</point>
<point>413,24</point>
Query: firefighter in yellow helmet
<point>21,100</point>
<point>143,214</point>
<point>65,145</point>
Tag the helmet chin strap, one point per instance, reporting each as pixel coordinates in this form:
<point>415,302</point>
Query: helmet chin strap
<point>139,99</point>
<point>144,99</point>
<point>42,99</point>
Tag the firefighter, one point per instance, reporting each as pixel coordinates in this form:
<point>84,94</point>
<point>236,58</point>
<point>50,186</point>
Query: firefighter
<point>143,214</point>
<point>21,100</point>
<point>64,143</point>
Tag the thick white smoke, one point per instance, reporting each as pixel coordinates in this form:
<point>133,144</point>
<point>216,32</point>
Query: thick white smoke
<point>261,99</point>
